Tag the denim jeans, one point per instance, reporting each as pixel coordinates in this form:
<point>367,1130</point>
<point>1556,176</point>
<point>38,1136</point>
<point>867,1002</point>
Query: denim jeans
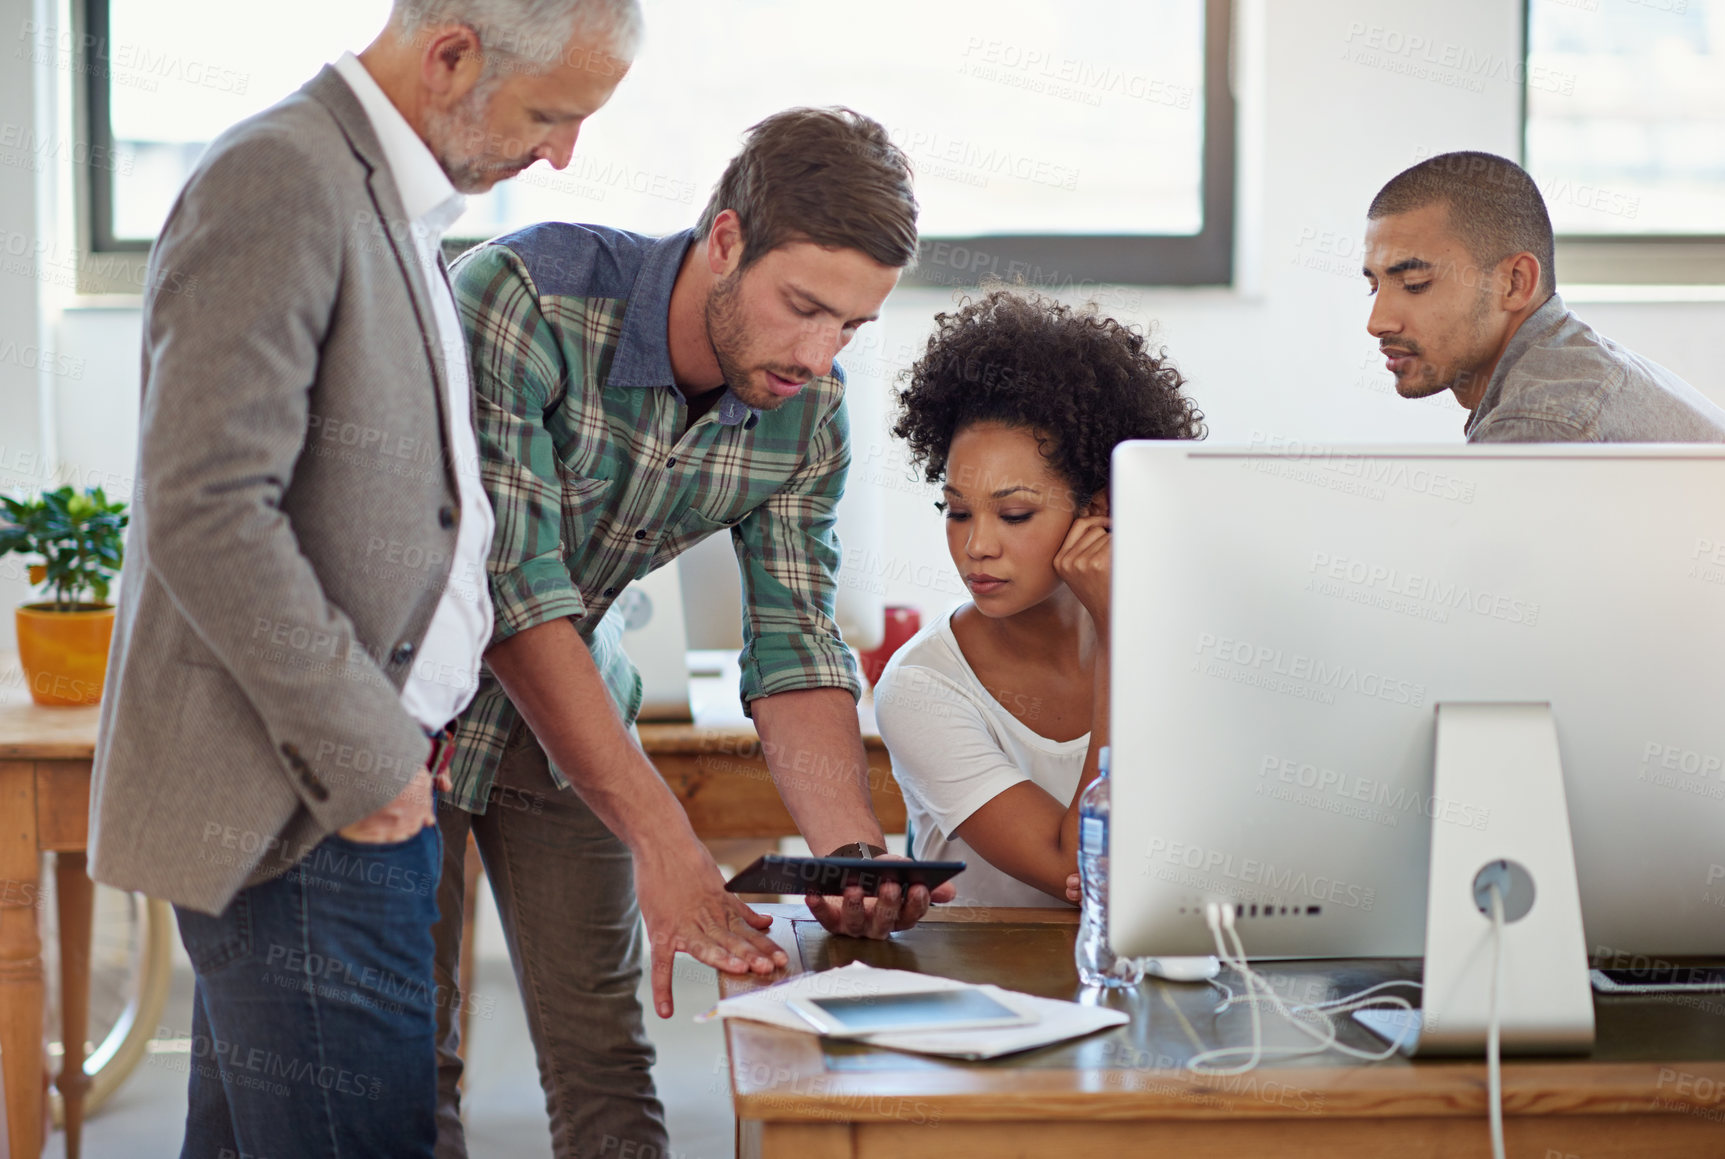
<point>312,1019</point>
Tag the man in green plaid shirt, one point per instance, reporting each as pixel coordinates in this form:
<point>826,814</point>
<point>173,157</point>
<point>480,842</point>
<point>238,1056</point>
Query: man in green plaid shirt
<point>635,395</point>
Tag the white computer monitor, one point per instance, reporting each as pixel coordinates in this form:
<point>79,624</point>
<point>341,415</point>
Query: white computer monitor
<point>1285,620</point>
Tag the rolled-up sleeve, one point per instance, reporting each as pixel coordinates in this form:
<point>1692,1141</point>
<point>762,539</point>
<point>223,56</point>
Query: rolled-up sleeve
<point>518,371</point>
<point>788,551</point>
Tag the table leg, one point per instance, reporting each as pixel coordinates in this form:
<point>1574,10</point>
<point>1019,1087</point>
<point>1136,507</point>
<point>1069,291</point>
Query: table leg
<point>21,988</point>
<point>75,894</point>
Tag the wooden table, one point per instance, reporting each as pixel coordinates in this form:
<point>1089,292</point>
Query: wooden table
<point>715,767</point>
<point>45,756</point>
<point>1654,1087</point>
<point>720,775</point>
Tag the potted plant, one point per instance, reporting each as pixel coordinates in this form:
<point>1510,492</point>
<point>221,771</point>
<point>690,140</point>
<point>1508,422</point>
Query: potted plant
<point>63,642</point>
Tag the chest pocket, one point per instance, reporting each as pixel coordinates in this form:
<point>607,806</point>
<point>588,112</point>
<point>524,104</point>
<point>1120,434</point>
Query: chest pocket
<point>583,507</point>
<point>695,525</point>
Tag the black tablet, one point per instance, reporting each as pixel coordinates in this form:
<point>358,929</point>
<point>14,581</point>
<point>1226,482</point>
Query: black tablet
<point>830,875</point>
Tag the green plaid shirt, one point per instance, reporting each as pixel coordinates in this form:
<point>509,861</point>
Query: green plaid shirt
<point>595,483</point>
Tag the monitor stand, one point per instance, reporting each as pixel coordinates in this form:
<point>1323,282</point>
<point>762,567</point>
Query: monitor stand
<point>1500,761</point>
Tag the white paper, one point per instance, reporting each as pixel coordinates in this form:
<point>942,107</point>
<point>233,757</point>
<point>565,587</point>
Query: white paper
<point>1057,1020</point>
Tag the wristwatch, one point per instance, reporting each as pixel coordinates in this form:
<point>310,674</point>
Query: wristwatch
<point>860,849</point>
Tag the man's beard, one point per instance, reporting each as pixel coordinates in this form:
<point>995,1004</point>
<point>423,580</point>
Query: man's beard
<point>1463,371</point>
<point>1424,386</point>
<point>726,331</point>
<point>458,138</point>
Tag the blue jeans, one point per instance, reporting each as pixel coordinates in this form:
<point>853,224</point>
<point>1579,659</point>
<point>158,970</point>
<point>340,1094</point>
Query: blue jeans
<point>313,1019</point>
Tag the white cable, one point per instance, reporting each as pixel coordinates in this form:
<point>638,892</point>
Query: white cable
<point>1493,1064</point>
<point>1343,1004</point>
<point>1349,1000</point>
<point>1327,1040</point>
<point>1213,917</point>
<point>1220,919</point>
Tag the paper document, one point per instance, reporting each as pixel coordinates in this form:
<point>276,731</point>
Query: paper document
<point>1058,1020</point>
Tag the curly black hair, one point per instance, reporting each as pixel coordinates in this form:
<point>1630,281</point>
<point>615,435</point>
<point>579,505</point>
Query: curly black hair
<point>1077,378</point>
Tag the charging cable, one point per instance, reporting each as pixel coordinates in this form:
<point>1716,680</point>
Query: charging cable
<point>1232,952</point>
<point>1340,1005</point>
<point>1230,949</point>
<point>1493,1063</point>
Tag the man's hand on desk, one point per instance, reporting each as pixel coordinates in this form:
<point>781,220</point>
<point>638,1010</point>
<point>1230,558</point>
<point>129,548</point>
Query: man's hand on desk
<point>857,916</point>
<point>686,909</point>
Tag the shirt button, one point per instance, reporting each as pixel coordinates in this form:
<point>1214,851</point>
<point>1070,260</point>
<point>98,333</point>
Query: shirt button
<point>671,462</point>
<point>640,535</point>
<point>446,517</point>
<point>609,592</point>
<point>403,652</point>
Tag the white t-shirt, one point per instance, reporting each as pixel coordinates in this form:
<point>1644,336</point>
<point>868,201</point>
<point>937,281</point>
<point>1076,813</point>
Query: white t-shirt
<point>954,749</point>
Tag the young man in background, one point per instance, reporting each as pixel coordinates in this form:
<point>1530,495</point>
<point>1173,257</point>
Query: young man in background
<point>1459,255</point>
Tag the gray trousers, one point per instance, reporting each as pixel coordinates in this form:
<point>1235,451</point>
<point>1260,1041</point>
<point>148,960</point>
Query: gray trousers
<point>565,889</point>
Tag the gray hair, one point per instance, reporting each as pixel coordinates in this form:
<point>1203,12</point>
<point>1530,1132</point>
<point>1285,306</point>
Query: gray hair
<point>528,36</point>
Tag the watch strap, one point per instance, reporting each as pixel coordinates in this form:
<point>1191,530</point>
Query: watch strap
<point>860,849</point>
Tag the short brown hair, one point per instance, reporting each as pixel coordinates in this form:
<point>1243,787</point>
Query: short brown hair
<point>1495,207</point>
<point>830,176</point>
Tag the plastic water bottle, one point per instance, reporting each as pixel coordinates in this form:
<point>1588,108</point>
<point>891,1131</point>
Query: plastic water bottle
<point>1097,963</point>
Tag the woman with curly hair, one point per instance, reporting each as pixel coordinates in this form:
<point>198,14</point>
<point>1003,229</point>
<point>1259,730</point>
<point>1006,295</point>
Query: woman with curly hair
<point>995,715</point>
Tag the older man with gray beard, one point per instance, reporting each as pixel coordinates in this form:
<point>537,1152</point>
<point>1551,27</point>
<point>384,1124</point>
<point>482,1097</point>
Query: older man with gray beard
<point>304,606</point>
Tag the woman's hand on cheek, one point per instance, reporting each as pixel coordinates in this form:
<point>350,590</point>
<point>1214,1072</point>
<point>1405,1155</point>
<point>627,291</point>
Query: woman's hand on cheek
<point>1085,564</point>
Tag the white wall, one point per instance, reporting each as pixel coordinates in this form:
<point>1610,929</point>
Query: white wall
<point>1323,125</point>
<point>29,270</point>
<point>1325,120</point>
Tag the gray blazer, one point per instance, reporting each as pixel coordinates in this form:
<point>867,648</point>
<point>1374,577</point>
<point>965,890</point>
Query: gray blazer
<point>294,519</point>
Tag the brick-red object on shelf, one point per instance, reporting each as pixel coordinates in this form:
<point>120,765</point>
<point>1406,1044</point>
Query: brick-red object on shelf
<point>901,625</point>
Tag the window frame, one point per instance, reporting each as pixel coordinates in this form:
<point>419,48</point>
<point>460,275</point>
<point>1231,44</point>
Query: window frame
<point>1051,261</point>
<point>106,265</point>
<point>96,71</point>
<point>1055,261</point>
<point>1623,259</point>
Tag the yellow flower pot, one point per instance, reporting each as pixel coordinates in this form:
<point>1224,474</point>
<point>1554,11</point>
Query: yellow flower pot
<point>65,654</point>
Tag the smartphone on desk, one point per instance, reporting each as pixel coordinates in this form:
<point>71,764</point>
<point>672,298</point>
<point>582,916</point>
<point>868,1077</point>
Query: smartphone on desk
<point>775,873</point>
<point>1665,978</point>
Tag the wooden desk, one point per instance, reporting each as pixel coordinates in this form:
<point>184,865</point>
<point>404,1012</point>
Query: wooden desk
<point>720,775</point>
<point>1655,1086</point>
<point>45,756</point>
<point>717,771</point>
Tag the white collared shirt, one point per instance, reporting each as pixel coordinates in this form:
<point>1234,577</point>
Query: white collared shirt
<point>445,672</point>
